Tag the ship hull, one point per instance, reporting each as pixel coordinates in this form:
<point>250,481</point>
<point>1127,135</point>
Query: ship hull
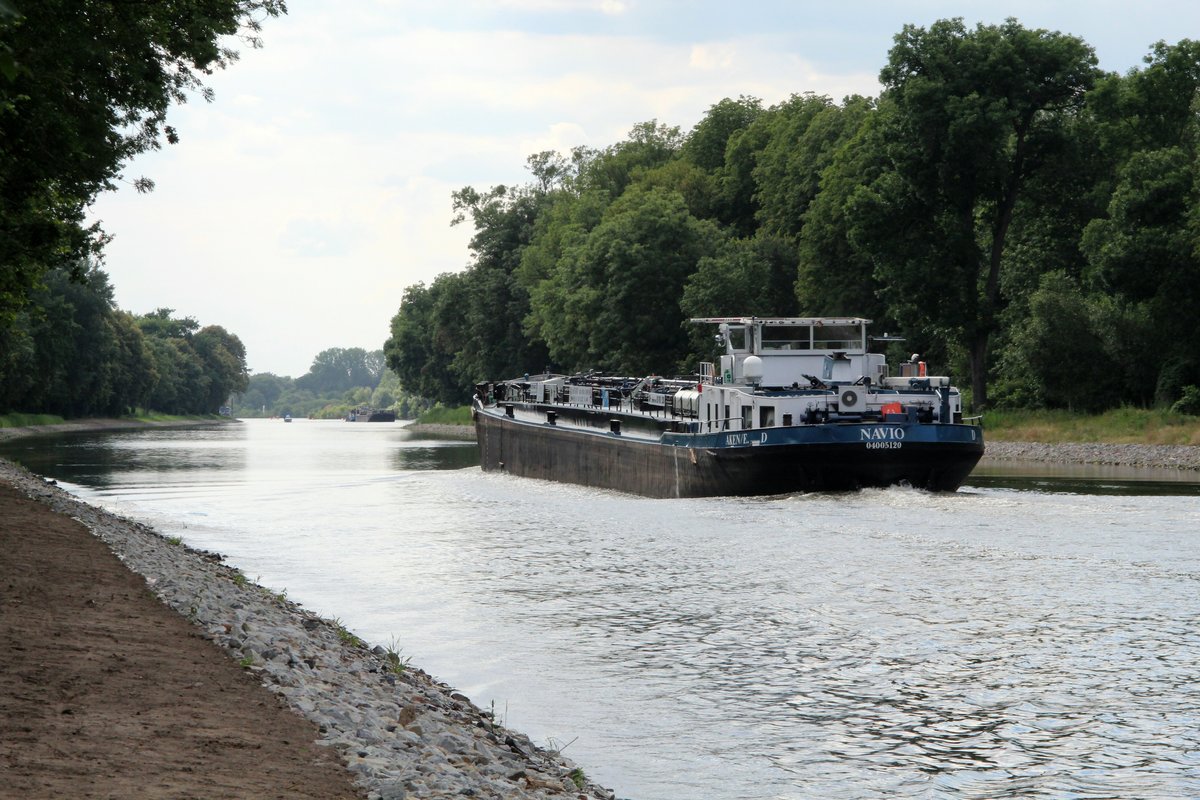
<point>372,416</point>
<point>804,458</point>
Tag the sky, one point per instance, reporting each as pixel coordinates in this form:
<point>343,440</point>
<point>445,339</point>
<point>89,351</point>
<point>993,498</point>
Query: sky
<point>301,202</point>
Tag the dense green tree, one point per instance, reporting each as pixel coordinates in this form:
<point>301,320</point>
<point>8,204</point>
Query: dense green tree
<point>270,395</point>
<point>1058,357</point>
<point>339,369</point>
<point>262,389</point>
<point>967,115</point>
<point>1152,107</point>
<point>192,370</point>
<point>612,170</point>
<point>564,223</point>
<point>1143,254</point>
<point>78,355</point>
<point>495,302</point>
<point>160,324</point>
<point>85,85</point>
<point>701,192</point>
<point>716,162</point>
<point>612,301</point>
<point>425,338</point>
<point>134,368</point>
<point>706,143</point>
<point>224,359</point>
<point>834,277</point>
<point>745,277</point>
<point>787,171</point>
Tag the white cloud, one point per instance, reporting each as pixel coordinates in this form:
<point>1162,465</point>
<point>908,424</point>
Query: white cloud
<point>611,7</point>
<point>712,57</point>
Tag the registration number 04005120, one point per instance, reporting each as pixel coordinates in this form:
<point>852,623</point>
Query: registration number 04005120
<point>884,445</point>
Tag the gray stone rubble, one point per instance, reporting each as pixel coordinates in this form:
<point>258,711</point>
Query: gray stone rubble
<point>402,733</point>
<point>1166,456</point>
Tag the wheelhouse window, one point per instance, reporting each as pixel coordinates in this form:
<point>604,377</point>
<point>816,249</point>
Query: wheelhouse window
<point>738,341</point>
<point>786,337</point>
<point>837,337</point>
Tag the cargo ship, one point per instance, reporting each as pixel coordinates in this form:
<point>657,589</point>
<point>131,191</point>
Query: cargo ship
<point>795,404</point>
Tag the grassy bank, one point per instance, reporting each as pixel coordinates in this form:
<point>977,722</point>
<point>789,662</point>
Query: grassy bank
<point>1120,426</point>
<point>144,416</point>
<point>17,420</point>
<point>441,415</point>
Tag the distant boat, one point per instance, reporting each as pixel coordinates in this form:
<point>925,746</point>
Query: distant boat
<point>368,414</point>
<point>287,417</point>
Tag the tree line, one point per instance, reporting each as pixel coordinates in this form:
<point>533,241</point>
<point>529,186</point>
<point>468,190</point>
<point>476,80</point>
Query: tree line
<point>1025,219</point>
<point>73,353</point>
<point>339,380</point>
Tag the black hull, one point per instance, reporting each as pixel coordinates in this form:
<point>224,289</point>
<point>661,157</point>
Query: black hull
<point>374,416</point>
<point>656,470</point>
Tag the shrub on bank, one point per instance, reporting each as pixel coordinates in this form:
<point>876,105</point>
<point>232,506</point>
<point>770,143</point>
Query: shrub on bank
<point>1125,425</point>
<point>443,415</point>
<point>17,420</point>
<point>1190,402</point>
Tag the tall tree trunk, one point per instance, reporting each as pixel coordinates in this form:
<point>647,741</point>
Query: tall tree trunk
<point>989,308</point>
<point>979,353</point>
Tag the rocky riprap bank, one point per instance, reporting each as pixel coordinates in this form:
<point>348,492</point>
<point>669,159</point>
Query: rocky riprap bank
<point>1164,456</point>
<point>402,733</point>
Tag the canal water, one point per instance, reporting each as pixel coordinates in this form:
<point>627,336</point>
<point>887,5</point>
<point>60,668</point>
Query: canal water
<point>1033,635</point>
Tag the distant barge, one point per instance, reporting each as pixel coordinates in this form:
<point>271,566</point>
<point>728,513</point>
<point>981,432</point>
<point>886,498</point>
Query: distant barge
<point>367,414</point>
<point>794,405</point>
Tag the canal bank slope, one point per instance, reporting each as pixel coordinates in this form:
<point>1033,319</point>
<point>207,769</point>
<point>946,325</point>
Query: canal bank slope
<point>107,692</point>
<point>442,430</point>
<point>99,425</point>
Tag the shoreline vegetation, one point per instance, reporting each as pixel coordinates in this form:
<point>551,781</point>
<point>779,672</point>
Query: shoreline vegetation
<point>14,426</point>
<point>1125,437</point>
<point>453,422</point>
